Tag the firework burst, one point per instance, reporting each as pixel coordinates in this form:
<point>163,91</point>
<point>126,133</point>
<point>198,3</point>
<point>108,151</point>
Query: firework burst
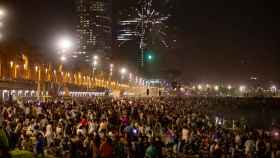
<point>146,25</point>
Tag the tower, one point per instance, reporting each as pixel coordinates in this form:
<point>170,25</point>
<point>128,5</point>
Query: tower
<point>94,29</point>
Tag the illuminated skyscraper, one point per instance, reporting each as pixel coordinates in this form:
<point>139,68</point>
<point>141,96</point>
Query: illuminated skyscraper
<point>95,28</point>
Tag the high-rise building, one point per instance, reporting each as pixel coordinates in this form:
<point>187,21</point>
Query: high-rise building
<point>95,28</point>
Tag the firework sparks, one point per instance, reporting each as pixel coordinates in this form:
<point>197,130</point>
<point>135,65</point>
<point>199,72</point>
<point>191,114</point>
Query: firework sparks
<point>142,24</point>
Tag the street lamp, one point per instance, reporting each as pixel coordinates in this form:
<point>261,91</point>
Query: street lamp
<point>273,88</point>
<point>95,57</point>
<point>64,44</point>
<point>229,87</point>
<point>199,87</point>
<point>2,13</point>
<point>123,71</point>
<point>95,63</point>
<point>242,89</point>
<point>111,69</point>
<point>36,68</point>
<point>130,76</point>
<point>63,58</point>
<point>216,88</point>
<point>11,64</point>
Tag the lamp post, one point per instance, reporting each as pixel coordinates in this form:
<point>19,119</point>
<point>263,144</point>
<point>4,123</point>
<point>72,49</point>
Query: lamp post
<point>2,15</point>
<point>216,88</point>
<point>242,89</point>
<point>2,12</point>
<point>111,70</point>
<point>273,89</point>
<point>64,44</point>
<point>38,73</point>
<point>130,77</point>
<point>123,71</point>
<point>94,64</point>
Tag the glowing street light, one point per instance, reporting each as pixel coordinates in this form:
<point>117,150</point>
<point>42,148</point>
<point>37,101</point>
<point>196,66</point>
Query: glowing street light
<point>11,64</point>
<point>273,88</point>
<point>95,62</point>
<point>111,66</point>
<point>130,76</point>
<point>242,89</point>
<point>229,87</point>
<point>65,44</point>
<point>111,69</point>
<point>199,87</point>
<point>123,71</point>
<point>216,88</point>
<point>63,58</point>
<point>95,57</point>
<point>36,68</point>
<point>2,13</point>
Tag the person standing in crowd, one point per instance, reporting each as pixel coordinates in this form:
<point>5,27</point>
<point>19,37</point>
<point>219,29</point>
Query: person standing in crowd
<point>134,128</point>
<point>39,146</point>
<point>106,149</point>
<point>4,142</point>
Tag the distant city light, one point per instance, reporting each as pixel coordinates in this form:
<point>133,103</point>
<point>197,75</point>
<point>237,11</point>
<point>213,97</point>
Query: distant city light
<point>95,63</point>
<point>11,63</point>
<point>199,87</point>
<point>273,88</point>
<point>253,78</point>
<point>216,88</point>
<point>182,89</point>
<point>36,68</point>
<point>123,71</point>
<point>242,88</point>
<point>95,57</point>
<point>63,58</point>
<point>229,87</point>
<point>2,13</point>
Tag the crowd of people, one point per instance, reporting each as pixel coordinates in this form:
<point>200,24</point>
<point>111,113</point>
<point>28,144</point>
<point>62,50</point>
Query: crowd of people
<point>134,128</point>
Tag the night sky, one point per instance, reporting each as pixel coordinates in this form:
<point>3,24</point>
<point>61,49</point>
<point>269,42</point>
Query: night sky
<point>217,40</point>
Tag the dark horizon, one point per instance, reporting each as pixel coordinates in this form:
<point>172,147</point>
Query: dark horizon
<point>216,40</point>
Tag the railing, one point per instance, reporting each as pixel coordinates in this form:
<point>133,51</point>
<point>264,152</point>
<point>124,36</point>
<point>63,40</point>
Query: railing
<point>21,70</point>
